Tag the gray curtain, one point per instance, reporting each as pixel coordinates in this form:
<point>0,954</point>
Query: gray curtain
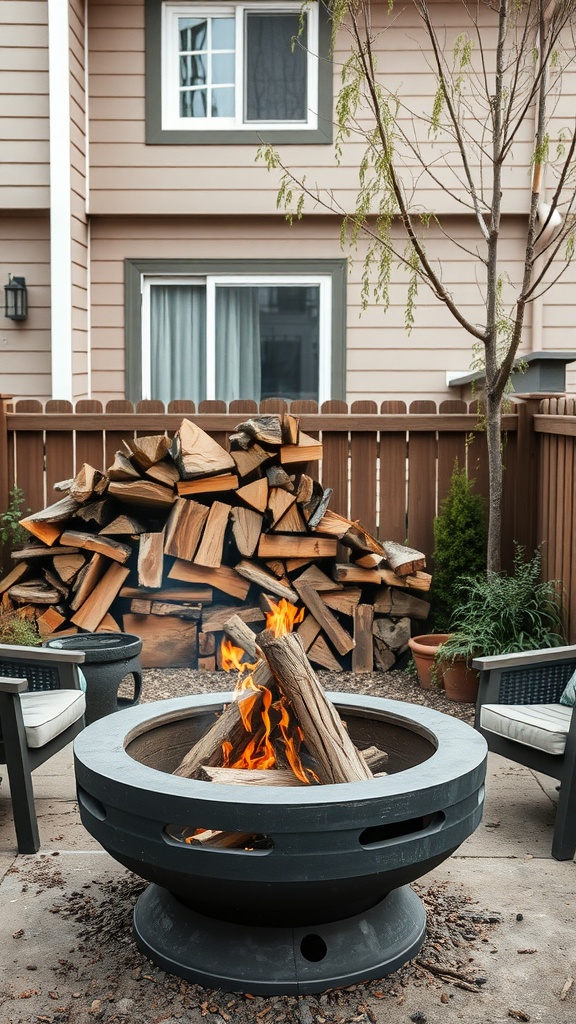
<point>238,359</point>
<point>178,342</point>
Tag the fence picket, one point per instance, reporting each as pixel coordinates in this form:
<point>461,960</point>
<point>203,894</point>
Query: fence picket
<point>335,460</point>
<point>29,459</point>
<point>422,453</point>
<point>393,470</point>
<point>89,443</point>
<point>364,472</point>
<point>59,451</point>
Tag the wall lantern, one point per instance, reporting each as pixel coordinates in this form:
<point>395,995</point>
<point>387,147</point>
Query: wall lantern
<point>15,298</point>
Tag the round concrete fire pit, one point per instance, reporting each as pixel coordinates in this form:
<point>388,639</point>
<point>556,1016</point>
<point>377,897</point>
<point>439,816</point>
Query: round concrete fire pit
<point>325,900</point>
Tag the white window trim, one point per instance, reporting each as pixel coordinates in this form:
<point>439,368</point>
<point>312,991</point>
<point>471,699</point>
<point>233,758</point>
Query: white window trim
<point>171,120</point>
<point>211,282</point>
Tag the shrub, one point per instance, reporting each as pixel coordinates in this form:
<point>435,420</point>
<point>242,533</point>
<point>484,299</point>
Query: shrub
<point>460,539</point>
<point>11,533</point>
<point>501,613</point>
<point>18,631</point>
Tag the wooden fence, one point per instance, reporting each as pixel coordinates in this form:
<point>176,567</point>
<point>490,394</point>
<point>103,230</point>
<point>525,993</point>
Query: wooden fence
<point>389,467</point>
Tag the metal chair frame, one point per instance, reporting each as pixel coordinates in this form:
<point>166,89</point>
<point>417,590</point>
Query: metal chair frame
<point>21,669</point>
<point>535,677</point>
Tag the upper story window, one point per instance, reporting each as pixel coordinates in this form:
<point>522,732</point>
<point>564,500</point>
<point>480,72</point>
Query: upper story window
<point>237,72</point>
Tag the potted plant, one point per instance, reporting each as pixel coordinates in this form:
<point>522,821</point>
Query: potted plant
<point>424,649</point>
<point>500,613</point>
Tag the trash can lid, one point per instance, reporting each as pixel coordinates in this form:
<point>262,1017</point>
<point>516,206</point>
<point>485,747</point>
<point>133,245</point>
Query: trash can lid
<point>99,646</point>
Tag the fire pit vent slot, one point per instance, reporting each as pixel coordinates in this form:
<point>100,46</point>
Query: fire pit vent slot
<point>91,804</point>
<point>389,831</point>
<point>216,839</point>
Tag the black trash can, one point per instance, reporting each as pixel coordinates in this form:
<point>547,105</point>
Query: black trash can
<point>110,657</point>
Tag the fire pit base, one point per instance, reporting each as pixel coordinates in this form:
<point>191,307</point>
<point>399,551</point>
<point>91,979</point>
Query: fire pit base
<point>279,961</point>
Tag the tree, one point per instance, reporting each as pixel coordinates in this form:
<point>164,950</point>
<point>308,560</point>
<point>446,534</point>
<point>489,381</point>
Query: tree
<point>497,89</point>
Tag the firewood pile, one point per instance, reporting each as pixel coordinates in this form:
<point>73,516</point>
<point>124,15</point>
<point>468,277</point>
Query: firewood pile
<point>180,534</point>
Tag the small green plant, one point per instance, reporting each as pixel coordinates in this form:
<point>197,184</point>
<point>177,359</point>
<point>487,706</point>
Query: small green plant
<point>11,533</point>
<point>460,538</point>
<point>503,613</point>
<point>18,631</point>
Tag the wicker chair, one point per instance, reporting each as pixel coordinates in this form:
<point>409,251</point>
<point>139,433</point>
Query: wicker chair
<point>519,714</point>
<point>42,707</point>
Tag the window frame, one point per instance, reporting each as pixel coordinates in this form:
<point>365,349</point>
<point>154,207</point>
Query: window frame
<point>164,130</point>
<point>329,274</point>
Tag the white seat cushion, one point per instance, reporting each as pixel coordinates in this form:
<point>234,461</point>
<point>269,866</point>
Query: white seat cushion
<point>542,726</point>
<point>47,713</point>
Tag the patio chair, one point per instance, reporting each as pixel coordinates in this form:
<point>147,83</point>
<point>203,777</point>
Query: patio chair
<point>520,715</point>
<point>42,706</point>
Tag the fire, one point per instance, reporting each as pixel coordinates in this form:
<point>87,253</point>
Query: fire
<point>283,617</point>
<point>272,718</point>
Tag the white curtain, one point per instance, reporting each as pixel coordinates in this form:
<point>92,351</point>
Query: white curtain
<point>178,342</point>
<point>238,358</point>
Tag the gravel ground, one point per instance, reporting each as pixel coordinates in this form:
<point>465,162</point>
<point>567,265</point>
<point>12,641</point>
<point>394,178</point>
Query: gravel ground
<point>98,973</point>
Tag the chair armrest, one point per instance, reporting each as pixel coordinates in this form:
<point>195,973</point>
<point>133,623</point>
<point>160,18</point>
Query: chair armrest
<point>12,685</point>
<point>548,654</point>
<point>28,654</point>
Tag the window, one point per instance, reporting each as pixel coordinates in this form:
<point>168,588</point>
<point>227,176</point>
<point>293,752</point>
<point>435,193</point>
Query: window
<point>226,331</point>
<point>238,72</point>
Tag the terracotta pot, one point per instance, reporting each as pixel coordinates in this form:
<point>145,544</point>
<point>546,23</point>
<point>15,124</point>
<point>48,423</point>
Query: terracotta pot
<point>423,650</point>
<point>461,681</point>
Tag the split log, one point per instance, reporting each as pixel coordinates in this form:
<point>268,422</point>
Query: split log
<point>384,658</point>
<point>241,635</point>
<point>33,551</point>
<point>190,612</point>
<point>223,840</point>
<point>291,521</point>
<point>344,601</point>
<point>45,524</point>
<point>206,645</point>
<point>308,630</point>
<point>197,454</point>
<point>403,560</point>
<point>254,574</point>
<point>34,592</point>
<point>320,654</point>
<point>315,517</point>
<point>49,621</point>
<point>97,604</point>
<point>97,512</point>
<point>85,484</point>
<point>86,580</point>
<point>283,546</point>
<point>211,547</point>
<point>318,579</point>
<point>247,462</point>
<point>363,653</point>
<point>122,468</point>
<point>279,501</point>
<point>195,595</point>
<point>255,494</point>
<point>142,492</point>
<point>290,428</point>
<point>228,726</point>
<point>398,603</point>
<point>184,528</point>
<point>246,529</point>
<point>222,578</point>
<point>337,758</point>
<point>342,640</point>
<point>68,565</point>
<point>308,449</point>
<point>250,776</point>
<point>278,477</point>
<point>164,473</point>
<point>124,524</point>
<point>217,618</point>
<point>346,572</point>
<point>208,484</point>
<point>394,633</point>
<point>333,525</point>
<point>265,429</point>
<point>112,549</point>
<point>375,758</point>
<point>416,581</point>
<point>147,451</point>
<point>150,559</point>
<point>16,575</point>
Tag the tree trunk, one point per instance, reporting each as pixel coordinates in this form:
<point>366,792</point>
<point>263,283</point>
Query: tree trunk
<point>494,443</point>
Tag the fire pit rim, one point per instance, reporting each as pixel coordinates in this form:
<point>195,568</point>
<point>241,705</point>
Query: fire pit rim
<point>113,734</point>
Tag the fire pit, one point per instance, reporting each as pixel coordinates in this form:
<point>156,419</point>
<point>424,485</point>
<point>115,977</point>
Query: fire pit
<point>324,900</point>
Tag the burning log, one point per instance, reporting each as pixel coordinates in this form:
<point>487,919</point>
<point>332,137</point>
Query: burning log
<point>228,727</point>
<point>337,758</point>
<point>250,776</point>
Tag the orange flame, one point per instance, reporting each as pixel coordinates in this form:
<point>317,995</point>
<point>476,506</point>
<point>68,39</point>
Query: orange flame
<point>259,750</point>
<point>283,617</point>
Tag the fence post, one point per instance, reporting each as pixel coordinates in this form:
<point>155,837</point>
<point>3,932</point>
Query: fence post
<point>526,499</point>
<point>5,483</point>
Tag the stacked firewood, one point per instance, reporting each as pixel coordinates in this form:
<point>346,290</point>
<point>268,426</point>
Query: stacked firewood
<point>180,534</point>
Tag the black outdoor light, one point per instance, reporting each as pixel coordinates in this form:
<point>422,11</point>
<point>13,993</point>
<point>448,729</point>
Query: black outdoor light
<point>15,298</point>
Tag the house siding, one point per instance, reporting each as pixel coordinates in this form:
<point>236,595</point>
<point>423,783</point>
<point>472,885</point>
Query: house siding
<point>24,126</point>
<point>79,220</point>
<point>25,346</point>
